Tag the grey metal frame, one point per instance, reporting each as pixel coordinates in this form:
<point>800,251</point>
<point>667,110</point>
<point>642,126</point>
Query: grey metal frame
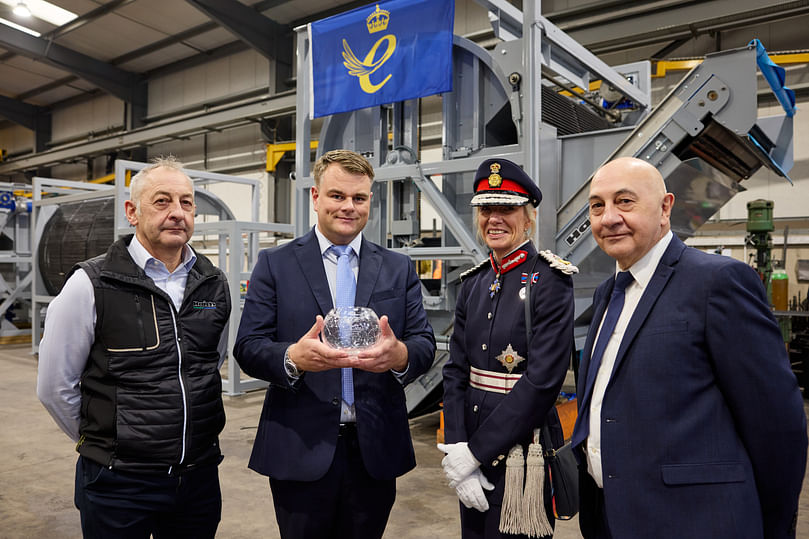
<point>68,191</point>
<point>543,46</point>
<point>241,257</point>
<point>19,232</point>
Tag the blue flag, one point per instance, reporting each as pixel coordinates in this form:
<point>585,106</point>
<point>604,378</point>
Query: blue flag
<point>382,53</point>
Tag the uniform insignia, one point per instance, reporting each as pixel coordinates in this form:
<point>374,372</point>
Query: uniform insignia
<point>473,270</point>
<point>534,277</point>
<point>557,262</point>
<point>495,179</point>
<point>522,293</point>
<point>510,261</point>
<point>495,286</point>
<point>510,358</point>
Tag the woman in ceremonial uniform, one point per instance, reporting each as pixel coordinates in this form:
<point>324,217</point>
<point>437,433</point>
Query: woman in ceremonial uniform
<point>500,389</point>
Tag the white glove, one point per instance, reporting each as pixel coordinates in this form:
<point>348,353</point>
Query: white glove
<point>470,491</point>
<point>458,463</point>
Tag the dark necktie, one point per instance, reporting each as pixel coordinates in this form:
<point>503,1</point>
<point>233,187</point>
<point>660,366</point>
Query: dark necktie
<point>346,288</point>
<point>614,308</point>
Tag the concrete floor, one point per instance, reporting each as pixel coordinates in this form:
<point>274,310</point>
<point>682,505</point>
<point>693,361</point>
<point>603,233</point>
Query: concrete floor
<point>36,473</point>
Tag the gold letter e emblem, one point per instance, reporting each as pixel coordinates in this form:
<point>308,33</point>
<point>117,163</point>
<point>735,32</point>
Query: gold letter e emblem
<point>363,69</point>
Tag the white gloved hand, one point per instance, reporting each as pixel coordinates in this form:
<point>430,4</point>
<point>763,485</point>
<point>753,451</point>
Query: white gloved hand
<point>458,463</point>
<point>470,491</point>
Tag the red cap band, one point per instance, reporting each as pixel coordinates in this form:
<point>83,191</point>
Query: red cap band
<point>506,185</point>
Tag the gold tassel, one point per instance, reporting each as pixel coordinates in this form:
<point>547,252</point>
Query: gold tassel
<point>510,513</point>
<point>535,519</point>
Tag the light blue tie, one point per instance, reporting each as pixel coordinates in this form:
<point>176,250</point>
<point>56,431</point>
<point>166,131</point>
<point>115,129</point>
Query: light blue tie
<point>346,289</point>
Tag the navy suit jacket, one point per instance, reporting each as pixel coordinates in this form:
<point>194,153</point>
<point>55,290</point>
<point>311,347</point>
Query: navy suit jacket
<point>297,432</point>
<point>703,430</point>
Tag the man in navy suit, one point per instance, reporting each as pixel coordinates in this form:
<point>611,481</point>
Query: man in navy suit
<point>691,422</point>
<point>332,462</point>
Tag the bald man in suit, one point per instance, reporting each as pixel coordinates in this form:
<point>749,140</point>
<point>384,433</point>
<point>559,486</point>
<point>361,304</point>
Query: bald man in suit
<point>691,422</point>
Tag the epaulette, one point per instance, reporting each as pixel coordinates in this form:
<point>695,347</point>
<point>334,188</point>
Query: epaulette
<point>557,262</point>
<point>474,269</point>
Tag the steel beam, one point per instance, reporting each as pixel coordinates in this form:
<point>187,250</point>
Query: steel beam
<point>260,32</point>
<point>683,22</point>
<point>118,82</point>
<point>560,52</point>
<point>278,105</point>
<point>505,18</point>
<point>19,112</point>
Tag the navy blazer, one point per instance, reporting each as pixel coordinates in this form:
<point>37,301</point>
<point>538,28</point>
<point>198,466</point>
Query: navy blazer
<point>703,430</point>
<point>298,428</point>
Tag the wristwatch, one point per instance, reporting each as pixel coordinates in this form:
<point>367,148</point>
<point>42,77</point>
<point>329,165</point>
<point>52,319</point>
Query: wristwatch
<point>289,366</point>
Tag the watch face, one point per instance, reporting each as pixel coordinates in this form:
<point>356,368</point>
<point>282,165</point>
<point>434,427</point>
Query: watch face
<point>291,368</point>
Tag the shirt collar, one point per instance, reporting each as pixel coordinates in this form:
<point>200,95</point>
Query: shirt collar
<point>644,269</point>
<point>325,244</point>
<point>142,257</point>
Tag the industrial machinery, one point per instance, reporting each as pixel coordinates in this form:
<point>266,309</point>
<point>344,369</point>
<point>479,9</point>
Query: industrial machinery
<point>15,262</point>
<point>704,137</point>
<point>792,316</point>
<point>759,237</point>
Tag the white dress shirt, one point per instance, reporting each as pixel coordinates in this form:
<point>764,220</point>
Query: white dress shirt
<point>642,271</point>
<point>347,413</point>
<point>70,332</point>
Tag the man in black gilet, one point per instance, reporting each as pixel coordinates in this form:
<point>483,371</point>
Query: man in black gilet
<point>129,369</point>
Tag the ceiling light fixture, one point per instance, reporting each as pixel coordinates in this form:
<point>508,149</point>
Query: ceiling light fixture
<point>21,9</point>
<point>19,27</point>
<point>41,9</point>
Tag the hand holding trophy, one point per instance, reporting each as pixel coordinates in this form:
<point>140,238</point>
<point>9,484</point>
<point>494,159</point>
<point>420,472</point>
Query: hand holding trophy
<point>351,328</point>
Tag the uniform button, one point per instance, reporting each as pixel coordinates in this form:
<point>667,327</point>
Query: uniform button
<point>335,401</point>
<point>495,462</point>
<point>475,408</point>
<point>489,316</point>
<point>484,347</point>
<point>500,457</point>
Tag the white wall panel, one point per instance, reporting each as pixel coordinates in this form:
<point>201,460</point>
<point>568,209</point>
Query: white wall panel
<point>16,139</point>
<point>790,200</point>
<point>96,115</point>
<point>233,74</point>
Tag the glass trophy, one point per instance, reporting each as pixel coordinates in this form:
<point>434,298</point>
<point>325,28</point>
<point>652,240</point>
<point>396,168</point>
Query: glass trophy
<point>351,328</point>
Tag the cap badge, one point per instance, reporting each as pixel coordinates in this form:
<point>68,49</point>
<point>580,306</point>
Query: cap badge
<point>495,179</point>
<point>509,358</point>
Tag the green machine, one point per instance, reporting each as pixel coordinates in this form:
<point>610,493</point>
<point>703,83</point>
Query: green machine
<point>759,236</point>
<point>759,229</point>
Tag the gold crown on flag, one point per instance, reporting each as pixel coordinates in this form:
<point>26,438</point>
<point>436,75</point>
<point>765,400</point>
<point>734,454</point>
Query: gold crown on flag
<point>378,20</point>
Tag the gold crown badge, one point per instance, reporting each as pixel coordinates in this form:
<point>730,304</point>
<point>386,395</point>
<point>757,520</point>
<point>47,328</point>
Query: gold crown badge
<point>378,20</point>
<point>495,180</point>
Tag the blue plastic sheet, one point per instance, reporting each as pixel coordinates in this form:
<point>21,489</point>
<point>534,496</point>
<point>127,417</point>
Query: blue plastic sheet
<point>776,76</point>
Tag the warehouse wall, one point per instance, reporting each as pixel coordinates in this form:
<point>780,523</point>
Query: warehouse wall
<point>224,77</point>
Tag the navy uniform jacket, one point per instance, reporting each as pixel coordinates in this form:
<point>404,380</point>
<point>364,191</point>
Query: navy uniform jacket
<point>492,423</point>
<point>703,432</point>
<point>297,432</point>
